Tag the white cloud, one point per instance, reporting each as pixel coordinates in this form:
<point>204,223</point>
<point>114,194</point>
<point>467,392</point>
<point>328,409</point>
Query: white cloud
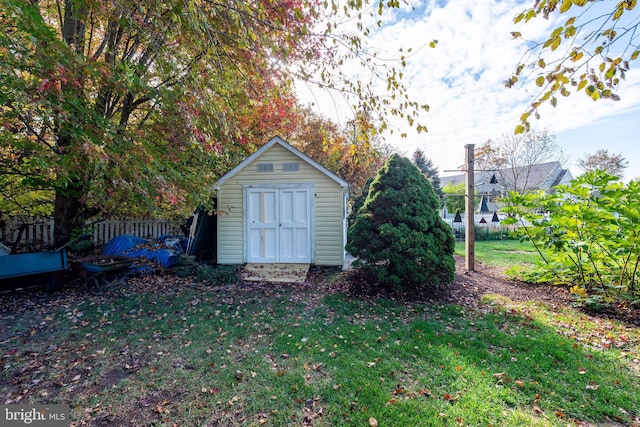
<point>462,81</point>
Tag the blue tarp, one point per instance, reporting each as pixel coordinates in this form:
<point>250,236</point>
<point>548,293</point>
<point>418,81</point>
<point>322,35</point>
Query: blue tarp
<point>166,254</point>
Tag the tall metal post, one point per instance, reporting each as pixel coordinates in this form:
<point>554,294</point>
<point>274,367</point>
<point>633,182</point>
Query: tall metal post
<point>469,229</point>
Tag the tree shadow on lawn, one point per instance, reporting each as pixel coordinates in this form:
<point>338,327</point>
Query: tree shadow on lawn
<point>403,363</point>
<point>469,287</point>
<point>496,366</point>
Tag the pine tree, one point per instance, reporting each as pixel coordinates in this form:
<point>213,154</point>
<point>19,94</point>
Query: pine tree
<point>359,201</point>
<point>398,236</point>
<point>427,167</point>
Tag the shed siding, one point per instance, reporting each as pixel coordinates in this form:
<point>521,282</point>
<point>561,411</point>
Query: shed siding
<point>328,203</point>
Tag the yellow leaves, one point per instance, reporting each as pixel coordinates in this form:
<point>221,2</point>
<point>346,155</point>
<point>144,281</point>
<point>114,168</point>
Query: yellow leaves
<point>516,34</point>
<point>518,18</point>
<point>433,44</point>
<point>582,84</point>
<point>530,15</point>
<point>556,33</point>
<point>540,81</point>
<point>569,32</point>
<point>511,81</point>
<point>527,16</point>
<point>575,55</point>
<point>610,34</point>
<point>618,13</point>
<point>565,5</point>
<point>554,40</point>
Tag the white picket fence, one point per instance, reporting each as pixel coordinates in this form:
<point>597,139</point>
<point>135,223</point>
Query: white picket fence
<point>38,232</point>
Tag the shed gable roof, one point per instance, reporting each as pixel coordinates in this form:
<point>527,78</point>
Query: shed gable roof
<point>281,142</point>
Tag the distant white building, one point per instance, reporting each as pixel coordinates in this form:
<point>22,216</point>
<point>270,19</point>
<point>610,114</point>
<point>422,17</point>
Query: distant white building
<point>543,176</point>
<point>490,185</point>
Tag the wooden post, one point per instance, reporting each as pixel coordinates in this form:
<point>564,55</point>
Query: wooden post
<point>469,230</point>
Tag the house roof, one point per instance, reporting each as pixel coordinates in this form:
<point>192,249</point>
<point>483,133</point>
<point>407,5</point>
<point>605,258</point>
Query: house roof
<point>543,176</point>
<point>281,142</point>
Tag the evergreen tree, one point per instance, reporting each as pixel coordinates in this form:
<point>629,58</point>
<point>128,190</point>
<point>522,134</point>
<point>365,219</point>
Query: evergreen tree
<point>427,167</point>
<point>398,236</point>
<point>359,201</point>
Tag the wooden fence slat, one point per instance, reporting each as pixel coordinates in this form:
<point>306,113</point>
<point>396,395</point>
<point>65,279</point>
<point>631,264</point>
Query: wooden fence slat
<point>38,234</point>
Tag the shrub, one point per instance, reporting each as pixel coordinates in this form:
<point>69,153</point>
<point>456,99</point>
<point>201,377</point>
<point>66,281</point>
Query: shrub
<point>398,236</point>
<point>485,234</point>
<point>588,233</point>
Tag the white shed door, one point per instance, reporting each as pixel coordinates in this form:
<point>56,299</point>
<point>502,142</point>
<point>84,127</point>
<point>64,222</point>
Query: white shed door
<point>279,225</point>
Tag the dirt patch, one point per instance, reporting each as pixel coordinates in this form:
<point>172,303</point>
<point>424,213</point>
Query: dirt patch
<point>468,289</point>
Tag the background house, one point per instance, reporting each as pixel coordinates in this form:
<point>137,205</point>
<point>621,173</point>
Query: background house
<point>543,176</point>
<point>490,185</point>
<point>280,206</point>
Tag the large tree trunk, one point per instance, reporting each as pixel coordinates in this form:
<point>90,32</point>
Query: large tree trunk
<point>66,217</point>
<point>68,208</point>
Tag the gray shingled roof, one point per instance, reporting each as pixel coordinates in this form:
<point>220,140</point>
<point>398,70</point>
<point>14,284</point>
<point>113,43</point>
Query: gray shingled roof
<point>543,176</point>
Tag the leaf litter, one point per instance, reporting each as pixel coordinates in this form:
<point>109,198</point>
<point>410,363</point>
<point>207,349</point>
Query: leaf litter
<point>78,363</point>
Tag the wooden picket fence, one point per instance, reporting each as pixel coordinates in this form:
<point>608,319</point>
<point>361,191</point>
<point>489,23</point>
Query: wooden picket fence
<point>38,232</point>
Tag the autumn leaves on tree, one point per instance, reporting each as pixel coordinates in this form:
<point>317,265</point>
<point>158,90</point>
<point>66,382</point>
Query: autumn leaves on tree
<point>135,108</point>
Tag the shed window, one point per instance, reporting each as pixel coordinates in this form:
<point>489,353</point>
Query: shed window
<point>265,167</point>
<point>291,167</point>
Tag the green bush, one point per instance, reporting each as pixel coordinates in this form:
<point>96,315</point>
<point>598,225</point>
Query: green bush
<point>588,234</point>
<point>484,234</point>
<point>398,236</point>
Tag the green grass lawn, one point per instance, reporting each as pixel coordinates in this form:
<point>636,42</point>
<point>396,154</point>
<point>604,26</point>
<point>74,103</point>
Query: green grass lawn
<point>502,253</point>
<point>302,355</point>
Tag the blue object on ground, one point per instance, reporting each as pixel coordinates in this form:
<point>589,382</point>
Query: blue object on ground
<point>129,246</point>
<point>25,264</point>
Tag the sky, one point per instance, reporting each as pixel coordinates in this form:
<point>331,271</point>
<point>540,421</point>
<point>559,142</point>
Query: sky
<point>462,81</point>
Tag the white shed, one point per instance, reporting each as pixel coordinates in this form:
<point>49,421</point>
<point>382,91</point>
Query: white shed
<point>280,206</point>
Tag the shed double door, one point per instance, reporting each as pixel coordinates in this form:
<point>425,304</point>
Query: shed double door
<point>278,225</point>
